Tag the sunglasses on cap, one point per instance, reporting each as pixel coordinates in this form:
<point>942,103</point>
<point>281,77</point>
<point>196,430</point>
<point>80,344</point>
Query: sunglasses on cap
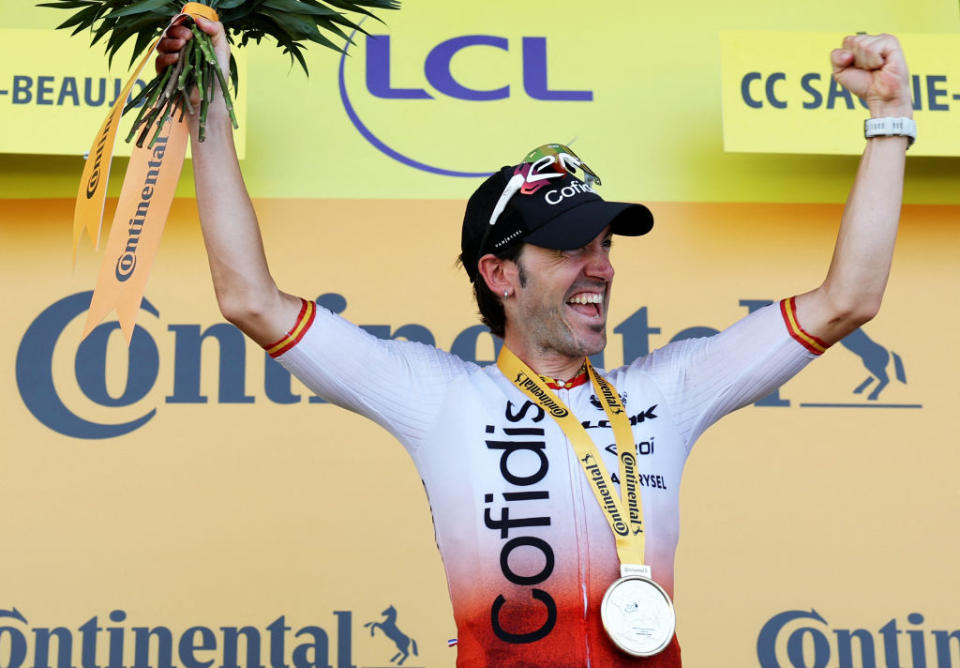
<point>549,161</point>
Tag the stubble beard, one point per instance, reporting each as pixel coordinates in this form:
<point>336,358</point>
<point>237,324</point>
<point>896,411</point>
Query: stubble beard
<point>553,334</point>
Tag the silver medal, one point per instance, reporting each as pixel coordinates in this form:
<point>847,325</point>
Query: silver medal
<point>638,615</point>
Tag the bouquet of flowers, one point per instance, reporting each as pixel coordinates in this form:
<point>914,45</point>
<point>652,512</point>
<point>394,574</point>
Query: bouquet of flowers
<point>290,22</point>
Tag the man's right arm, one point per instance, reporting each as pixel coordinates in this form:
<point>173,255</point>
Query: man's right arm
<point>246,292</point>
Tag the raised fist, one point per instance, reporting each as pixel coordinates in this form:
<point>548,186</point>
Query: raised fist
<point>873,68</point>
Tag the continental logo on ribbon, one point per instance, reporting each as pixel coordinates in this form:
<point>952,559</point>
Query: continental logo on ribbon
<point>609,396</point>
<point>610,504</point>
<point>145,198</point>
<point>546,401</point>
<point>127,259</point>
<point>138,223</point>
<point>630,487</point>
<point>779,95</point>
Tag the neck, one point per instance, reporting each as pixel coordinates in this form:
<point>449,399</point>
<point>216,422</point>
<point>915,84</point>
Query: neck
<point>549,363</point>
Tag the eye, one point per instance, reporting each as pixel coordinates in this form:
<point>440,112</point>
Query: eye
<point>608,243</point>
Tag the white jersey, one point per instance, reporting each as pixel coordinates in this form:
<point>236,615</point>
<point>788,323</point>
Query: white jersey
<point>527,551</point>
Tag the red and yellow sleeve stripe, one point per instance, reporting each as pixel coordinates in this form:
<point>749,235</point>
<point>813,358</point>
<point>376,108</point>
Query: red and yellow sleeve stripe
<point>307,311</point>
<point>788,307</point>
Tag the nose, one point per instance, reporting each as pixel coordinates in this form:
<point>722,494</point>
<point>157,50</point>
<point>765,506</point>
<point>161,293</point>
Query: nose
<point>598,263</point>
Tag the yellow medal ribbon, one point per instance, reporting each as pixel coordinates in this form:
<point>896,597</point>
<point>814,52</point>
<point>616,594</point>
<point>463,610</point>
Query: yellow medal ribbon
<point>625,514</point>
<point>145,198</point>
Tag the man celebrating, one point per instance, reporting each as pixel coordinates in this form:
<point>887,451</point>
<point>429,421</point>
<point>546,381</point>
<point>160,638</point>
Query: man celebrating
<point>558,541</point>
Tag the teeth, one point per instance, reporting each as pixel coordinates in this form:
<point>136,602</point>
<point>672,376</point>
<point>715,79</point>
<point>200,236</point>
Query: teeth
<point>584,298</point>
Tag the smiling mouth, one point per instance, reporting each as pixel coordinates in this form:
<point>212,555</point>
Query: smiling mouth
<point>589,304</point>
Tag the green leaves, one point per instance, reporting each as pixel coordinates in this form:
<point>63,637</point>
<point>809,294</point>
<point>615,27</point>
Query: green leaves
<point>290,23</point>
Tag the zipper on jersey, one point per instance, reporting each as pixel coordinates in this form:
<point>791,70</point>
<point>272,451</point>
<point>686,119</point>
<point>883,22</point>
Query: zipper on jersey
<point>575,472</point>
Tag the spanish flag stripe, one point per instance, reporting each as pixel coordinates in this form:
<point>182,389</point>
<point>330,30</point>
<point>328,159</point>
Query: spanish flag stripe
<point>304,320</point>
<point>788,308</point>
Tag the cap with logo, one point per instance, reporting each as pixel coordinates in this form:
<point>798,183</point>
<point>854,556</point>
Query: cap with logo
<point>541,202</point>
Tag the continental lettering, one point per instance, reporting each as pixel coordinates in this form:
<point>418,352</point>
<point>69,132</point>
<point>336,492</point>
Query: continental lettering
<point>512,513</point>
<point>39,380</point>
<point>107,641</point>
<point>613,402</point>
<point>608,501</point>
<point>633,504</point>
<point>541,395</point>
<point>127,262</point>
<point>94,182</point>
<point>810,640</point>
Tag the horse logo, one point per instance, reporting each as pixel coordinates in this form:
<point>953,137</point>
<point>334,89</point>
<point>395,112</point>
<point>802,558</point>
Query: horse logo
<point>399,638</point>
<point>875,358</point>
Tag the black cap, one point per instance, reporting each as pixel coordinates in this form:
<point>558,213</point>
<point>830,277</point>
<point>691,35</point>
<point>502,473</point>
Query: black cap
<point>560,212</point>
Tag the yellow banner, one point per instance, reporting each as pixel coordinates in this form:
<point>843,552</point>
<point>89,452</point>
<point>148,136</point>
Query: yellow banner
<point>187,485</point>
<point>639,95</point>
<point>53,101</point>
<point>779,95</point>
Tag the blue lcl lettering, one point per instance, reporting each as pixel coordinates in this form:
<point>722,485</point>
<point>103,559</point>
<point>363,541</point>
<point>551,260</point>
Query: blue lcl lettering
<point>439,75</point>
<point>378,72</point>
<point>535,74</point>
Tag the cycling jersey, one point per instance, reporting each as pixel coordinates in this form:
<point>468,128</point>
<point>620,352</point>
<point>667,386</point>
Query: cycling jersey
<point>527,551</point>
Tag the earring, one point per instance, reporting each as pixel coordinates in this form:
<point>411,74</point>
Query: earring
<point>506,293</point>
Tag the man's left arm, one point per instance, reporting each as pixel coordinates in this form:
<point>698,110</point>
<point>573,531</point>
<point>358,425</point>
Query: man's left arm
<point>873,68</point>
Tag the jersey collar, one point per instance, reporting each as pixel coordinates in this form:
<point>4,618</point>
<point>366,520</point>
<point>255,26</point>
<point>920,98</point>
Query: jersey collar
<point>579,379</point>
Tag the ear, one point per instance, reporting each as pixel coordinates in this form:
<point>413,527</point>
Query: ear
<point>499,275</point>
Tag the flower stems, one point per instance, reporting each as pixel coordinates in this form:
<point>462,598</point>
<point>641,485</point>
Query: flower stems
<point>196,69</point>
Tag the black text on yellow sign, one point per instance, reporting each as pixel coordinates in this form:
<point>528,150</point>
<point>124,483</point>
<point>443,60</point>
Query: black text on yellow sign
<point>779,95</point>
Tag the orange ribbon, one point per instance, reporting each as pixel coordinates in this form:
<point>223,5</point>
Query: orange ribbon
<point>145,198</point>
<point>195,9</point>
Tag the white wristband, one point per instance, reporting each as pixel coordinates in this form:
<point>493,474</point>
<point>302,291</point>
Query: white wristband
<point>891,126</point>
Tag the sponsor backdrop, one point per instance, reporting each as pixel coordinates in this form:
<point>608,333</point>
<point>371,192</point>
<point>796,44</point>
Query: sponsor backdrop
<point>184,503</point>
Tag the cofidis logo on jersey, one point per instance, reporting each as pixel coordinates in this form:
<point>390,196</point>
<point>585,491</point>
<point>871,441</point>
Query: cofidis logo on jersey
<point>454,104</point>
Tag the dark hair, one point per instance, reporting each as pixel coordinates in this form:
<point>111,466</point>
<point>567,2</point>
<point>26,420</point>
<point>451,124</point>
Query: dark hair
<point>488,304</point>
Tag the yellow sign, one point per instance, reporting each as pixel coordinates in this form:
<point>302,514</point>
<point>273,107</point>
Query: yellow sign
<point>779,95</point>
<point>471,87</point>
<point>53,102</point>
<point>188,486</point>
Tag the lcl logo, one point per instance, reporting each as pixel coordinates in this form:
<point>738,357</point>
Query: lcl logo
<point>441,83</point>
<point>436,67</point>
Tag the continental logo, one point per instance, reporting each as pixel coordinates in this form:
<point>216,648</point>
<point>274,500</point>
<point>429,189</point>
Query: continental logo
<point>533,388</point>
<point>630,491</point>
<point>176,350</point>
<point>280,641</point>
<point>94,183</point>
<point>127,262</point>
<point>804,638</point>
<point>610,396</point>
<point>608,501</point>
